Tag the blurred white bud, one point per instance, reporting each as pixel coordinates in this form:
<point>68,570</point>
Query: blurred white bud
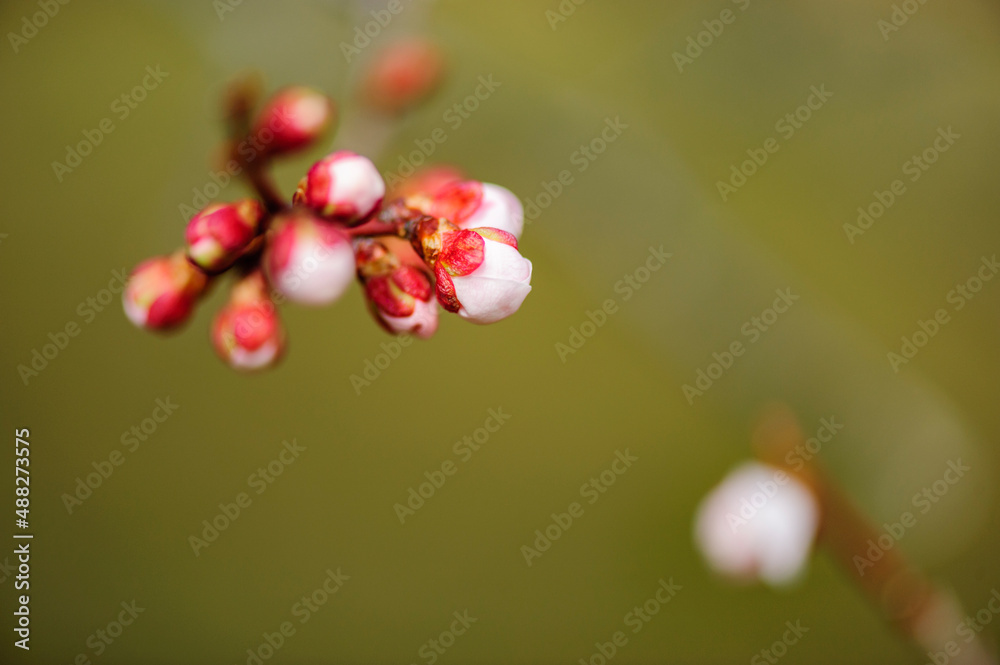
<point>759,523</point>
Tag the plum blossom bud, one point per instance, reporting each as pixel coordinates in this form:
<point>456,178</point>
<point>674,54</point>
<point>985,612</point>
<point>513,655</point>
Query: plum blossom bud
<point>479,272</point>
<point>342,186</point>
<point>308,260</point>
<point>759,523</point>
<point>426,181</point>
<point>470,204</point>
<point>218,234</point>
<point>403,74</point>
<point>293,119</point>
<point>161,292</point>
<point>399,296</point>
<point>247,333</point>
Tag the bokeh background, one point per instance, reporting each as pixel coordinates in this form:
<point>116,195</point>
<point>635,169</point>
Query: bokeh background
<point>656,185</point>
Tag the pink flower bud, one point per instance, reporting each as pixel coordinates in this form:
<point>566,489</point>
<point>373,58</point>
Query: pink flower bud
<point>479,272</point>
<point>426,182</point>
<point>399,296</point>
<point>469,204</point>
<point>247,333</point>
<point>161,292</point>
<point>293,119</point>
<point>308,260</point>
<point>403,74</point>
<point>217,235</point>
<point>342,186</point>
<point>758,524</point>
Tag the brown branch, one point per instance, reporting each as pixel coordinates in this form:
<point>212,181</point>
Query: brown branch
<point>925,614</point>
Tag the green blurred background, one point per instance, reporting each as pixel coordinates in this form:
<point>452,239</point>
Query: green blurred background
<point>656,185</point>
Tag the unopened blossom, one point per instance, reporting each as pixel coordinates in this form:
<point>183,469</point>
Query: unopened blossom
<point>403,74</point>
<point>479,272</point>
<point>426,181</point>
<point>759,523</point>
<point>308,260</point>
<point>220,233</point>
<point>161,291</point>
<point>247,333</point>
<point>470,204</point>
<point>343,186</point>
<point>293,119</point>
<point>400,297</point>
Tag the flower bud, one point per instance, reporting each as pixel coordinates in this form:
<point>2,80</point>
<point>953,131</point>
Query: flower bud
<point>293,119</point>
<point>399,296</point>
<point>161,292</point>
<point>403,74</point>
<point>479,272</point>
<point>218,234</point>
<point>308,260</point>
<point>247,333</point>
<point>426,182</point>
<point>470,204</point>
<point>759,523</point>
<point>342,186</point>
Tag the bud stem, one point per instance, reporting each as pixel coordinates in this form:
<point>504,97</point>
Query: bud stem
<point>238,104</point>
<point>393,220</point>
<point>262,183</point>
<point>375,228</point>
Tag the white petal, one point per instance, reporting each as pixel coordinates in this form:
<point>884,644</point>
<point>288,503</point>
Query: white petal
<point>356,182</point>
<point>499,209</point>
<point>317,275</point>
<point>136,314</point>
<point>241,358</point>
<point>495,289</point>
<point>745,533</point>
<point>423,322</point>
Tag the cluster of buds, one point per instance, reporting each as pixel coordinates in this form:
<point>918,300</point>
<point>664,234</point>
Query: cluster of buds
<point>437,239</point>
